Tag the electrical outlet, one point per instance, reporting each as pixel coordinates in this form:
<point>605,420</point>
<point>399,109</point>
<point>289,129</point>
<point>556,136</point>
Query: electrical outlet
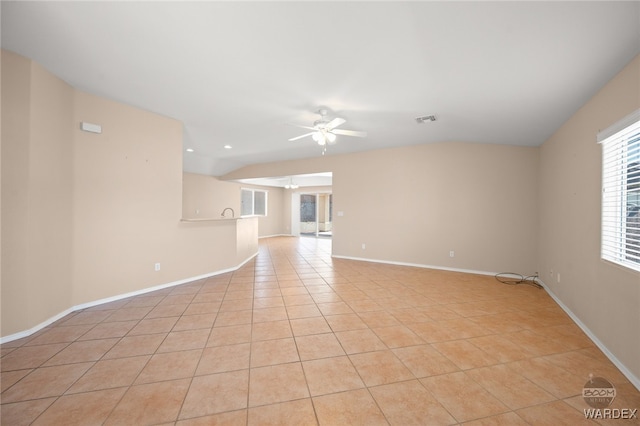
<point>157,267</point>
<point>558,278</point>
<point>452,253</point>
<point>364,246</point>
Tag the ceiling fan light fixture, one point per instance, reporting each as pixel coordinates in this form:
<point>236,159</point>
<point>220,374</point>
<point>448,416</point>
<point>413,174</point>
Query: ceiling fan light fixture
<point>291,185</point>
<point>330,137</point>
<point>320,137</point>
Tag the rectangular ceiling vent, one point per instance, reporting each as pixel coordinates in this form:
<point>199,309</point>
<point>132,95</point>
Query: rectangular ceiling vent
<point>421,120</point>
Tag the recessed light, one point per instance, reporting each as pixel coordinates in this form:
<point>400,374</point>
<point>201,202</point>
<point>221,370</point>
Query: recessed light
<point>189,149</point>
<point>228,147</point>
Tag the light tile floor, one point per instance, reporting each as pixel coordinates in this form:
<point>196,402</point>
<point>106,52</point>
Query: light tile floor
<point>296,337</point>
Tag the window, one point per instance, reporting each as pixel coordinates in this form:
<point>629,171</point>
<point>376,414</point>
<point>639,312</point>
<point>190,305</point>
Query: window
<point>253,202</point>
<point>621,192</point>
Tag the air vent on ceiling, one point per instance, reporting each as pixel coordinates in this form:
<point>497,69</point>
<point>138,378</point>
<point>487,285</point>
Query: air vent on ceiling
<point>421,120</point>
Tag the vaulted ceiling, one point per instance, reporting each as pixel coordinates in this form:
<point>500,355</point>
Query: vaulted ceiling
<point>240,73</point>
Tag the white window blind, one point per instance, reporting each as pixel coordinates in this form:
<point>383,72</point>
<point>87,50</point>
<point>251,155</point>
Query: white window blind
<point>621,192</point>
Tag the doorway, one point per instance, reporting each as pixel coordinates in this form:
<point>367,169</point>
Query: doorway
<point>314,214</point>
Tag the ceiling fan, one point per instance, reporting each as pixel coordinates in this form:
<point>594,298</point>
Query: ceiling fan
<point>324,131</point>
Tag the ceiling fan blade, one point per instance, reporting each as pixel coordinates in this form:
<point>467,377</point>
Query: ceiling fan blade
<point>302,127</point>
<point>301,136</point>
<point>335,123</point>
<point>350,133</point>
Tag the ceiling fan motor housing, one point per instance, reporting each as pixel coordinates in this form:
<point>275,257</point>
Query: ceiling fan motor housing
<point>320,123</point>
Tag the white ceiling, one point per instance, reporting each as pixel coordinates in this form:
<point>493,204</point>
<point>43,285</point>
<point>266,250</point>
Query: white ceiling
<point>235,73</point>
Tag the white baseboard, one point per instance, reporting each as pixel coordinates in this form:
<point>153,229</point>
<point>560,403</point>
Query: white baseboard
<point>275,235</point>
<point>415,265</point>
<point>91,304</point>
<point>623,369</point>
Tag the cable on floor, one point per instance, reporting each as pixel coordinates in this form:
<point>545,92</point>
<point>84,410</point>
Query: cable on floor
<point>511,278</point>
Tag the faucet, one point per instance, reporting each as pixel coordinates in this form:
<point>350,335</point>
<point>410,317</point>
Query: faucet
<point>233,214</point>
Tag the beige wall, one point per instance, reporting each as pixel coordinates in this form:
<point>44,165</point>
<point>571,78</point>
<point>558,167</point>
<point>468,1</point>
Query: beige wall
<point>86,216</point>
<point>605,297</point>
<point>50,180</point>
<point>36,191</point>
<point>431,199</point>
<point>15,130</point>
<point>415,204</point>
<point>273,223</point>
<point>207,196</point>
<point>127,198</point>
